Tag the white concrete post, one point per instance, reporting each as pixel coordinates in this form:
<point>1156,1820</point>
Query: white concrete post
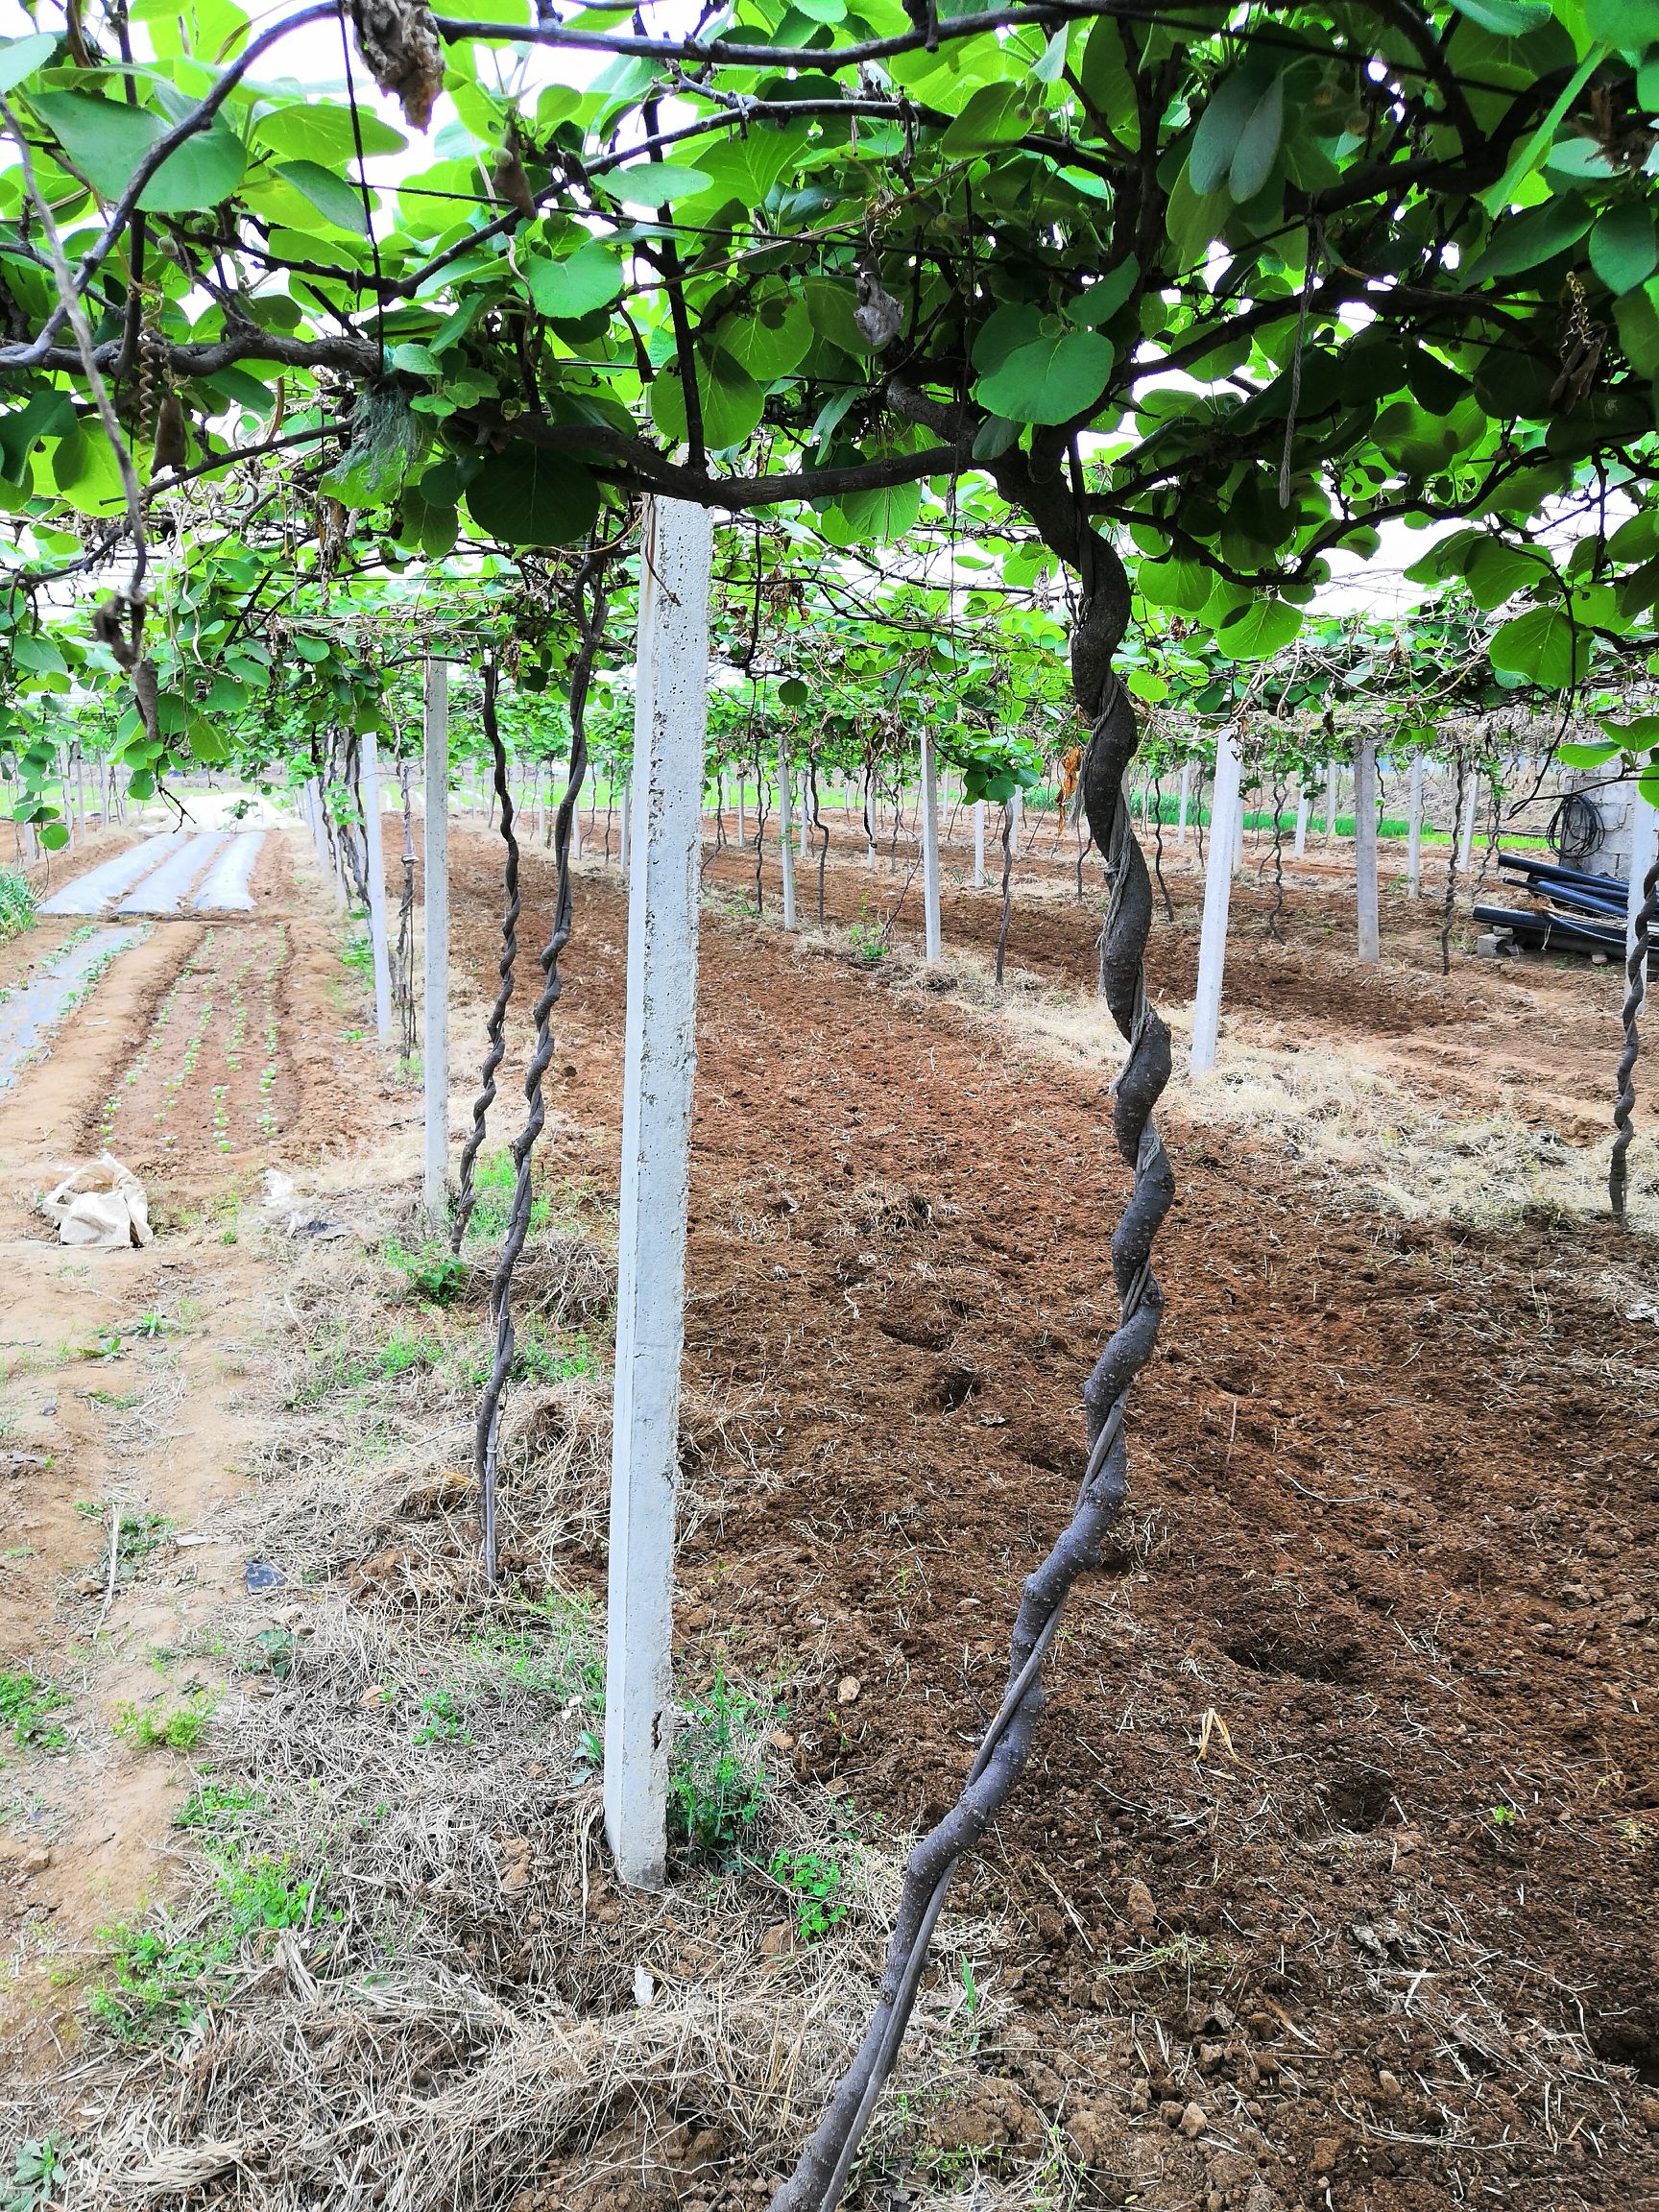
<point>374,862</point>
<point>435,870</point>
<point>1238,830</point>
<point>660,1057</point>
<point>1330,801</point>
<point>978,844</point>
<point>1304,808</point>
<point>1182,811</point>
<point>1414,829</point>
<point>785,845</point>
<point>930,931</point>
<point>627,801</point>
<point>1365,848</point>
<point>1224,804</point>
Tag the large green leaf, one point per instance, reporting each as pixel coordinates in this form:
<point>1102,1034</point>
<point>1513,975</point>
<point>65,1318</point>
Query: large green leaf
<point>584,282</point>
<point>315,131</point>
<point>1505,18</point>
<point>1107,83</point>
<point>1055,378</point>
<point>731,399</point>
<point>20,57</point>
<point>1545,645</point>
<point>1257,147</point>
<point>1624,249</point>
<point>994,116</point>
<point>104,139</point>
<point>1258,630</point>
<point>654,184</point>
<point>1221,127</point>
<point>1525,241</point>
<point>767,337</point>
<point>1494,573</point>
<point>335,200</point>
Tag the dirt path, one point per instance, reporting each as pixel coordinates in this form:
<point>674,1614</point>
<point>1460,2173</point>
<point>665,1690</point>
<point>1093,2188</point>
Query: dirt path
<point>201,1052</point>
<point>1363,1698</point>
<point>1341,1830</point>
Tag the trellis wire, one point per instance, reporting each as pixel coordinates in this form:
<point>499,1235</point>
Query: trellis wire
<point>821,2174</point>
<point>1635,994</point>
<point>495,1030</point>
<point>591,620</point>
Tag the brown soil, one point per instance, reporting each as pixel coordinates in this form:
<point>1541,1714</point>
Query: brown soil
<point>1363,1696</point>
<point>122,1384</point>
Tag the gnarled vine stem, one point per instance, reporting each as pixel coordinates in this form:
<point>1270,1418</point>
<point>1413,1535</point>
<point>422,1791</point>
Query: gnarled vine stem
<point>495,1030</point>
<point>819,2179</point>
<point>1635,994</point>
<point>591,605</point>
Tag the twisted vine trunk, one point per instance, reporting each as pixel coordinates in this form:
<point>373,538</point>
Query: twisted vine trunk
<point>495,1030</point>
<point>1635,994</point>
<point>591,621</point>
<point>1157,850</point>
<point>1449,903</point>
<point>1278,908</point>
<point>406,961</point>
<point>818,2181</point>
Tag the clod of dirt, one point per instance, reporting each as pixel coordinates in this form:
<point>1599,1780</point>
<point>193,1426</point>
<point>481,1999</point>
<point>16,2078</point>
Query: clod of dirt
<point>1139,1910</point>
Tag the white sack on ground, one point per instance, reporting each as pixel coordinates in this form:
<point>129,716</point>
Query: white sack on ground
<point>101,1205</point>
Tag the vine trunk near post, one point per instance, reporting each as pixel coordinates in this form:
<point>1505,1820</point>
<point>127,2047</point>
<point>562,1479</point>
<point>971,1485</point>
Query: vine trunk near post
<point>821,2174</point>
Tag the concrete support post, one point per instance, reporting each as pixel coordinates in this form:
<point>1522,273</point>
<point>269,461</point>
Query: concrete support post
<point>1366,850</point>
<point>374,863</point>
<point>785,843</point>
<point>930,931</point>
<point>1182,831</point>
<point>1330,801</point>
<point>435,873</point>
<point>1224,806</point>
<point>660,1053</point>
<point>1414,829</point>
<point>978,844</point>
<point>1304,808</point>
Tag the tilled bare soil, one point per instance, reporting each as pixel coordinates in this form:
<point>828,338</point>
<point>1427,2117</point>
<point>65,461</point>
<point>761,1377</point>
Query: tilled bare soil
<point>1363,1696</point>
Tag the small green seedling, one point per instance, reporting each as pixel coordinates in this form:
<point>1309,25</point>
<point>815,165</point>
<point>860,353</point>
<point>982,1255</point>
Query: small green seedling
<point>179,1730</point>
<point>442,1719</point>
<point>35,2170</point>
<point>813,1880</point>
<point>432,1272</point>
<point>716,1782</point>
<point>26,1703</point>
